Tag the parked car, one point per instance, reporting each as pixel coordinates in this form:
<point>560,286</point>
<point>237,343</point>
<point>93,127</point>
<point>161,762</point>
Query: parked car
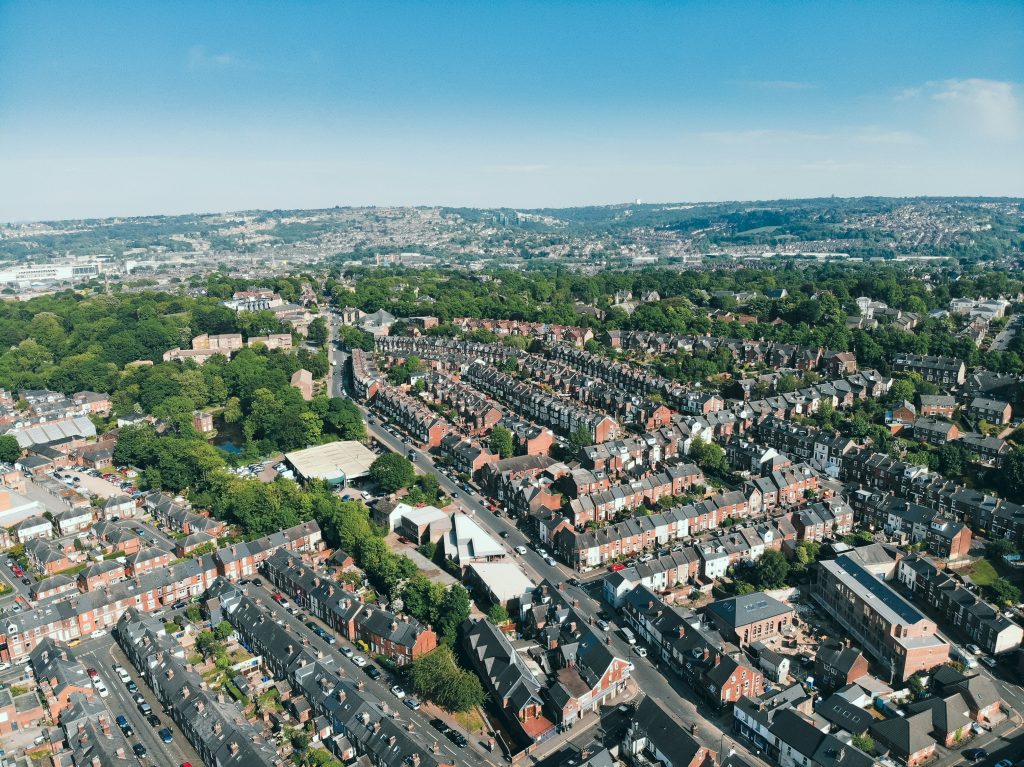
<point>139,749</point>
<point>100,687</point>
<point>520,549</point>
<point>412,703</point>
<point>347,652</point>
<point>165,735</point>
<point>989,661</point>
<point>457,738</point>
<point>373,672</point>
<point>976,754</point>
<point>154,720</point>
<point>603,625</point>
<point>126,728</point>
<point>440,725</point>
<point>359,660</point>
<point>641,651</point>
<point>145,709</point>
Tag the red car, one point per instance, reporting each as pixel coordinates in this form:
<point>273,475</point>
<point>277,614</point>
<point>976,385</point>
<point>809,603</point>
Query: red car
<point>93,673</point>
<point>616,566</point>
<point>278,597</point>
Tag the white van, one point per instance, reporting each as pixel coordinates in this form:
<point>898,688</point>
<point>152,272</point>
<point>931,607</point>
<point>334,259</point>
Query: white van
<point>629,635</point>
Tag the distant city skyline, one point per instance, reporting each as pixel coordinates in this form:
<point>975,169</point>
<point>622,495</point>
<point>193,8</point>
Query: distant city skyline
<point>111,109</point>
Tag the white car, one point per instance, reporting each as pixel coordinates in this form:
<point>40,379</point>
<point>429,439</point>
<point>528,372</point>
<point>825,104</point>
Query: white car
<point>359,660</point>
<point>347,652</point>
<point>641,651</point>
<point>397,691</point>
<point>520,549</point>
<point>100,687</point>
<point>98,633</point>
<point>4,666</point>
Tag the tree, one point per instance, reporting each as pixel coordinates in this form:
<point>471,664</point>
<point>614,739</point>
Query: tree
<point>437,677</point>
<point>709,456</point>
<point>223,630</point>
<point>580,438</point>
<point>864,742</point>
<point>317,333</point>
<point>997,548</point>
<point>193,613</point>
<point>10,450</point>
<point>1003,592</point>
<point>772,569</point>
<point>501,442</point>
<point>392,472</point>
<point>498,614</point>
<point>452,612</point>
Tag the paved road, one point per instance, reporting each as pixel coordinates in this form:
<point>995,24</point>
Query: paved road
<point>676,695</point>
<point>102,654</point>
<point>474,755</point>
<point>672,691</point>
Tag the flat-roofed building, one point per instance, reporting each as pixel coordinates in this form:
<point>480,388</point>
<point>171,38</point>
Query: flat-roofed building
<point>336,463</point>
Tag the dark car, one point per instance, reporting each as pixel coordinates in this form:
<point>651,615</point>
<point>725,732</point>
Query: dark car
<point>257,582</point>
<point>165,735</point>
<point>503,533</point>
<point>27,581</point>
<point>373,672</point>
<point>139,749</point>
<point>139,697</point>
<point>574,581</point>
<point>145,709</point>
<point>976,754</point>
<point>457,738</point>
<point>178,606</point>
<point>411,702</point>
<point>126,728</point>
<point>154,720</point>
<point>439,725</point>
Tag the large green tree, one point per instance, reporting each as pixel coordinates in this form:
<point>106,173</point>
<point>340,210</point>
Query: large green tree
<point>392,472</point>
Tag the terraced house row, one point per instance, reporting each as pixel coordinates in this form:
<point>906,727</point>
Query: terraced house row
<point>351,721</point>
<point>408,412</point>
<point>531,401</point>
<point>70,615</point>
<point>399,637</point>
<point>602,506</point>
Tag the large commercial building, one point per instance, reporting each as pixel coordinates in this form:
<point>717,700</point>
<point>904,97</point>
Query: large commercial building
<point>336,462</point>
<point>882,622</point>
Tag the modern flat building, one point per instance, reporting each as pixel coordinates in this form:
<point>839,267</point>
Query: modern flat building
<point>883,623</point>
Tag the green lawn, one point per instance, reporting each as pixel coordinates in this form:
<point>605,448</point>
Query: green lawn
<point>982,572</point>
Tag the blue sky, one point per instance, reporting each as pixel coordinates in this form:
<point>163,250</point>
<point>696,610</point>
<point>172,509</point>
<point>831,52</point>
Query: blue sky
<point>135,108</point>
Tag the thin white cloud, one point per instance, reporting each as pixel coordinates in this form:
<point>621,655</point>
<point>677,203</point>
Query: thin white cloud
<point>873,134</point>
<point>758,134</point>
<point>199,58</point>
<point>524,168</point>
<point>992,106</point>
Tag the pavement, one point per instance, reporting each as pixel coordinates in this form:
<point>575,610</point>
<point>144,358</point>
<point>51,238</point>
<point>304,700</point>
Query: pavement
<point>102,654</point>
<point>476,754</point>
<point>675,694</point>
